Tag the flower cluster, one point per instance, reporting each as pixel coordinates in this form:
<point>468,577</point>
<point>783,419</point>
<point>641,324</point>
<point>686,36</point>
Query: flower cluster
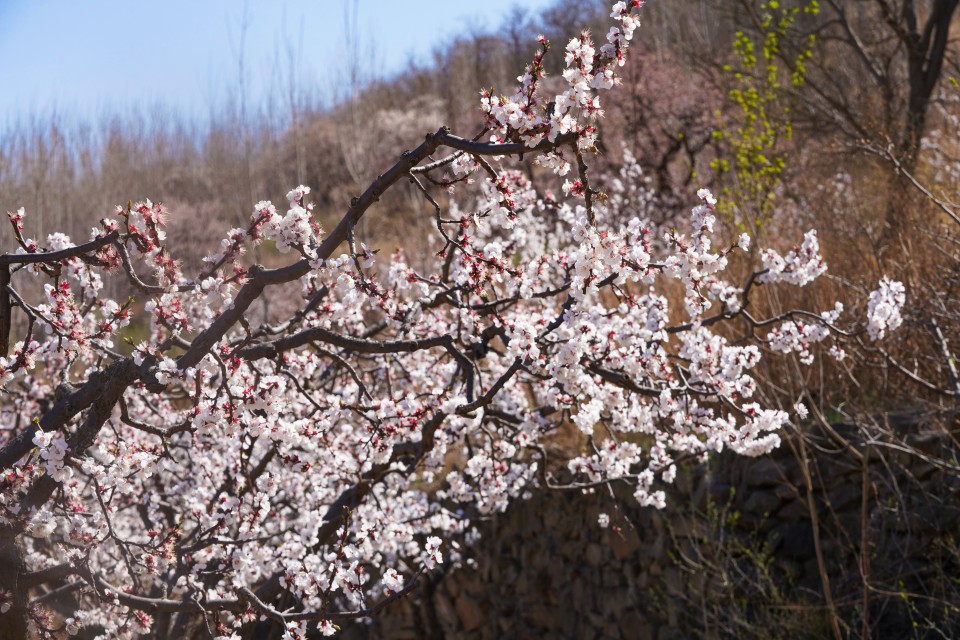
<point>53,450</point>
<point>801,266</point>
<point>883,308</point>
<point>532,118</point>
<point>293,229</point>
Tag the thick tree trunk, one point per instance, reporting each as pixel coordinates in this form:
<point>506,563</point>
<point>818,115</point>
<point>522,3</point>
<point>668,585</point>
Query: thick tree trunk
<point>926,49</point>
<point>13,623</point>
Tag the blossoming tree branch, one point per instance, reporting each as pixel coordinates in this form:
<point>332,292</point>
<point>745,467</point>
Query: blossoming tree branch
<point>240,468</point>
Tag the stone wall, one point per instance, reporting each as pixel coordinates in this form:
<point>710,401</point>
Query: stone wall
<point>733,555</point>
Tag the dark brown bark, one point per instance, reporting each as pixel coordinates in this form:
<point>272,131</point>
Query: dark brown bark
<point>926,49</point>
<point>13,623</point>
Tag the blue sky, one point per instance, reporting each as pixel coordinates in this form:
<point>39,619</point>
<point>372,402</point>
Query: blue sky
<point>85,57</point>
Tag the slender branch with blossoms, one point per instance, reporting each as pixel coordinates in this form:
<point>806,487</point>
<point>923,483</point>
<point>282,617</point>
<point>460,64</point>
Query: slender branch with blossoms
<point>307,470</point>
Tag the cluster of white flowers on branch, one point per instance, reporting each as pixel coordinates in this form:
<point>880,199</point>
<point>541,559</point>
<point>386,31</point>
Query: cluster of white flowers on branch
<point>308,469</point>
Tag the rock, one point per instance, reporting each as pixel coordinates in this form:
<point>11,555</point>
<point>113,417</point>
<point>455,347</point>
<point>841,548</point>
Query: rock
<point>764,472</point>
<point>797,540</point>
<point>845,496</point>
<point>789,568</point>
<point>788,491</point>
<point>446,612</point>
<point>594,555</point>
<point>551,519</point>
<point>542,617</point>
<point>624,544</point>
<point>556,572</point>
<point>610,579</point>
<point>685,480</point>
<point>922,470</point>
<point>634,625</point>
<point>667,633</point>
<point>833,469</point>
<point>756,517</point>
<point>794,510</point>
<point>774,540</point>
<point>935,517</point>
<point>597,621</point>
<point>849,523</point>
<point>470,612</point>
<point>710,490</point>
<point>452,586</point>
<point>762,503</point>
<point>643,581</point>
<point>673,580</point>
